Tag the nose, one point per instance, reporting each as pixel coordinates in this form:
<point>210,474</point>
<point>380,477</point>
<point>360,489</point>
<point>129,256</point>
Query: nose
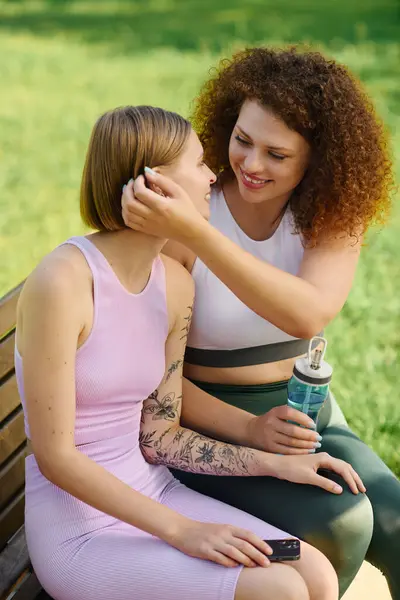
<point>252,162</point>
<point>212,176</point>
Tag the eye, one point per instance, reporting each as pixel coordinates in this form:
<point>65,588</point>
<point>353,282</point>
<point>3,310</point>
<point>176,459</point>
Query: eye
<point>276,156</point>
<point>241,140</point>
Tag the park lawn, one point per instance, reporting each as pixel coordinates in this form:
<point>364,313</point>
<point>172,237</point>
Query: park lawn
<point>59,69</point>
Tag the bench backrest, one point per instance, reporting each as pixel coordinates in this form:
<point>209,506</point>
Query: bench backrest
<point>14,559</point>
<point>12,435</point>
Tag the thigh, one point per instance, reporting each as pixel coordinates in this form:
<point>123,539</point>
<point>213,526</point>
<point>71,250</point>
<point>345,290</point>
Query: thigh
<point>383,487</point>
<point>133,566</point>
<point>331,415</point>
<point>339,526</point>
<point>305,511</point>
<point>200,507</point>
<point>341,442</point>
<point>313,567</point>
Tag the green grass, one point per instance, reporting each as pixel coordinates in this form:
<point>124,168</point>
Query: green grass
<point>63,63</point>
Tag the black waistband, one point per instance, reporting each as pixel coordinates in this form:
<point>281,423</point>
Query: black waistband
<point>243,357</point>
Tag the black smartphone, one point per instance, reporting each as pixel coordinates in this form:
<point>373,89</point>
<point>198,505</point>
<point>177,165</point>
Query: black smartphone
<point>284,550</point>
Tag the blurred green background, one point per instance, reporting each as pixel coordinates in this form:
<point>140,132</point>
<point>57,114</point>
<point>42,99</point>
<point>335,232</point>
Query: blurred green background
<point>62,63</point>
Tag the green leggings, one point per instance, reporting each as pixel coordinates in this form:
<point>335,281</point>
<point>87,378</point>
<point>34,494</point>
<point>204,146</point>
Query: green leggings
<point>346,528</point>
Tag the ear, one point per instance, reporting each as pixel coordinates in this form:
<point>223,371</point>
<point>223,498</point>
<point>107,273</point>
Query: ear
<point>153,187</point>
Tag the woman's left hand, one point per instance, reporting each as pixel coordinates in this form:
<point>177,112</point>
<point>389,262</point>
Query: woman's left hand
<point>169,214</point>
<point>304,469</point>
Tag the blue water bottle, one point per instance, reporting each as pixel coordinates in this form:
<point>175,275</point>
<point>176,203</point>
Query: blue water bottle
<point>308,387</point>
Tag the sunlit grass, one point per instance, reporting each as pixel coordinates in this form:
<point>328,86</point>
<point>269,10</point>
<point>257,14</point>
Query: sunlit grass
<point>56,81</point>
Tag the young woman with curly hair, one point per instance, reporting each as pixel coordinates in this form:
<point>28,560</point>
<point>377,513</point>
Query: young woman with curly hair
<point>303,172</point>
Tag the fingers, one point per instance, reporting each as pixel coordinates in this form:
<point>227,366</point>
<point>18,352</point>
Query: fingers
<point>221,559</point>
<point>237,556</point>
<point>358,481</point>
<point>346,471</point>
<point>127,191</point>
<point>148,197</point>
<point>287,413</point>
<point>326,484</point>
<point>134,222</point>
<point>136,209</point>
<point>299,444</point>
<point>283,449</point>
<point>342,468</point>
<point>167,186</point>
<point>297,433</point>
<point>252,543</point>
<point>134,212</point>
<point>245,553</point>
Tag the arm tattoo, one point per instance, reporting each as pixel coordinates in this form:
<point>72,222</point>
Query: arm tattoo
<point>187,450</point>
<point>172,368</point>
<point>167,408</point>
<point>181,448</point>
<point>185,329</point>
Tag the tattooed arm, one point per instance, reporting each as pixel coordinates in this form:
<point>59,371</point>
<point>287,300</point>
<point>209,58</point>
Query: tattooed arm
<point>162,439</point>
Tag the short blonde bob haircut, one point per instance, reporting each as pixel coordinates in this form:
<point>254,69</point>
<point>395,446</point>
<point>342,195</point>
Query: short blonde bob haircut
<point>122,143</point>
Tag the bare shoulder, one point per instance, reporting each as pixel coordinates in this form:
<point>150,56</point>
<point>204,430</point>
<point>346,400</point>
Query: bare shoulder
<point>64,273</point>
<point>180,289</point>
<point>180,253</point>
<point>179,280</point>
<point>339,243</point>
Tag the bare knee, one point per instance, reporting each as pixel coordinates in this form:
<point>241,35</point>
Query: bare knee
<point>318,573</point>
<point>277,582</point>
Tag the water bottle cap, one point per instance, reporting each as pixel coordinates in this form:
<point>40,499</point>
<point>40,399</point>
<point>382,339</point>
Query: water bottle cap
<point>313,369</point>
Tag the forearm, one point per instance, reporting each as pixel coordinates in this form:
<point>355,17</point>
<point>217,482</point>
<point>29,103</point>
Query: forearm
<point>289,302</point>
<point>207,414</point>
<point>194,452</point>
<point>91,483</point>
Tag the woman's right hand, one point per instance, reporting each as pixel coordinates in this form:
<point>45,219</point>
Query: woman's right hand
<point>223,544</point>
<point>272,432</point>
<point>304,469</point>
<point>167,213</point>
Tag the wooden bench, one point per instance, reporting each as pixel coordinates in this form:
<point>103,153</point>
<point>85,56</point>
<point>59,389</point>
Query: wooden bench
<point>17,580</point>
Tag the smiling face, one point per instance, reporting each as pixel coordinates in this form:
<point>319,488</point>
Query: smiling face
<point>268,159</point>
<point>192,174</point>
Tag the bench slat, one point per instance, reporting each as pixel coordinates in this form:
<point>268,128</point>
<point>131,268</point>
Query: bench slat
<point>12,477</point>
<point>8,310</point>
<point>11,519</point>
<point>9,397</point>
<point>12,436</point>
<point>14,560</point>
<point>7,355</point>
<point>28,589</point>
<point>16,578</point>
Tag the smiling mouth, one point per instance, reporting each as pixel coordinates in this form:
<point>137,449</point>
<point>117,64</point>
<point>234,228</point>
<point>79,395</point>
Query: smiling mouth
<point>253,182</point>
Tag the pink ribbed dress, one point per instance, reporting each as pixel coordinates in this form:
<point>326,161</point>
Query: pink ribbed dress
<point>77,551</point>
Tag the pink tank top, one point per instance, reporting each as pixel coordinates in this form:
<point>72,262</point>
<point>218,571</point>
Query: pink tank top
<point>123,359</point>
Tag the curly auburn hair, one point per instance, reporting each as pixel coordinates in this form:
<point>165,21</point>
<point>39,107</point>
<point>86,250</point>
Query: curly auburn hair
<point>347,185</point>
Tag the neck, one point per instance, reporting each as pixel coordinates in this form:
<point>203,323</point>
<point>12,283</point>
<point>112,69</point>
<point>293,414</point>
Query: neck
<point>259,221</point>
<point>130,254</point>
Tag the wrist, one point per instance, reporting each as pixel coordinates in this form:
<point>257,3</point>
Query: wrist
<point>173,528</point>
<point>251,437</point>
<point>193,231</point>
<point>276,464</point>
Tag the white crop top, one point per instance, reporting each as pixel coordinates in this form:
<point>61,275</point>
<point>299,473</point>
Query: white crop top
<point>220,320</point>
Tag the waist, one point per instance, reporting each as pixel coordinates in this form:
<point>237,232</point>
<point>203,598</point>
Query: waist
<point>254,365</point>
<point>254,398</point>
<point>105,449</point>
<point>242,357</point>
<point>250,375</point>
